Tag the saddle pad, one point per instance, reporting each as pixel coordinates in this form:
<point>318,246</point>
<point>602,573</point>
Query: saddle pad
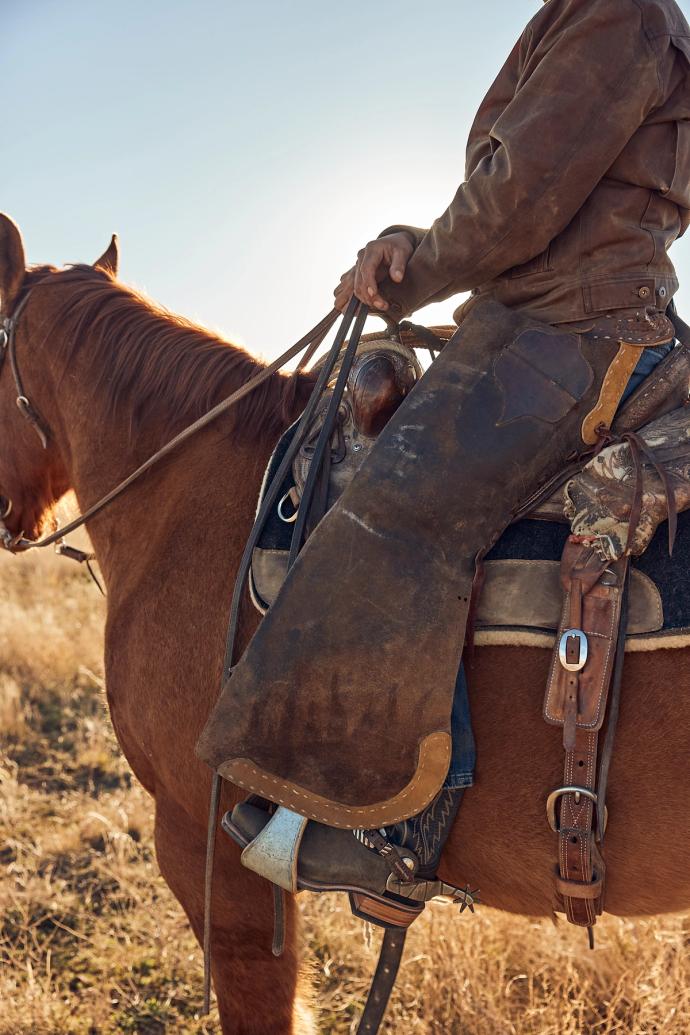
<point>660,587</point>
<point>521,599</point>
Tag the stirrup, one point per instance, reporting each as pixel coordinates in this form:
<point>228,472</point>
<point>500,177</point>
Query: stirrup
<point>394,903</point>
<point>273,853</point>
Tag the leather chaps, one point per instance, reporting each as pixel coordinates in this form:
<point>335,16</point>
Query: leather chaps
<point>340,707</point>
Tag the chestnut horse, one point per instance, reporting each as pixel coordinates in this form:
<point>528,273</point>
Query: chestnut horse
<point>114,378</point>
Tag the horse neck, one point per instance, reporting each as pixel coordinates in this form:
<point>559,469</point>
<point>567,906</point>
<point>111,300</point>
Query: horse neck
<point>164,513</point>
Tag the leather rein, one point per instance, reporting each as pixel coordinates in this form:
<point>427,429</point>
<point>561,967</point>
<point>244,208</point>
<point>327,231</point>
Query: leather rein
<point>8,349</point>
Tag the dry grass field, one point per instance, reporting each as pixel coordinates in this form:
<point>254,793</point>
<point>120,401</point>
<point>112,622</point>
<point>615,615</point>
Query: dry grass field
<point>92,942</point>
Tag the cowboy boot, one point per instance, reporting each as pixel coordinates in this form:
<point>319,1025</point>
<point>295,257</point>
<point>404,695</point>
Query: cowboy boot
<point>389,874</point>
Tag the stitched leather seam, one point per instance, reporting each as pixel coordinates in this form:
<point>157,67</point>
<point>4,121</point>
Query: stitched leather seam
<point>579,825</point>
<point>328,809</point>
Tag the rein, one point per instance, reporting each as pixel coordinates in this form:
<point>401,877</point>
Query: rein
<point>8,348</point>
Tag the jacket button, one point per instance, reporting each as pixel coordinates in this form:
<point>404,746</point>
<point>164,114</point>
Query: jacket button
<point>644,292</point>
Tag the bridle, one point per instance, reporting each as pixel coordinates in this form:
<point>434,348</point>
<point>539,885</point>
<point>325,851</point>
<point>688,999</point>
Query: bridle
<point>17,543</point>
<point>8,349</point>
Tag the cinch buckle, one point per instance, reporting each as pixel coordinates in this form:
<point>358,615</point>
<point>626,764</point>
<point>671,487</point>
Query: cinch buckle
<point>583,654</point>
<point>579,792</point>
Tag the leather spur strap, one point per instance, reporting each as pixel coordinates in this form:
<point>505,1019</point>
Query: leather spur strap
<point>576,697</point>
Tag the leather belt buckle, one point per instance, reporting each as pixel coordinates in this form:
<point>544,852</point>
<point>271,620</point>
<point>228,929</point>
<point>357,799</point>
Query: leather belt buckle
<point>554,798</point>
<point>565,649</point>
<point>579,793</point>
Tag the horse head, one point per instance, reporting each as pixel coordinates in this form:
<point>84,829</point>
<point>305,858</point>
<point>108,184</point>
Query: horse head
<point>33,471</point>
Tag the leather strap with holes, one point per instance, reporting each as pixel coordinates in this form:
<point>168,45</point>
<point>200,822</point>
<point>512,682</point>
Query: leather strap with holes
<point>580,873</point>
<point>576,700</point>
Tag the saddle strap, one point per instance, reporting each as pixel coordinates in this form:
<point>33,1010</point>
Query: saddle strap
<point>580,872</point>
<point>592,617</point>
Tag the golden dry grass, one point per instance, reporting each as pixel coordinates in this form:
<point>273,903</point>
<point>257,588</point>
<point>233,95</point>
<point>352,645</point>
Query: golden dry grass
<point>92,941</point>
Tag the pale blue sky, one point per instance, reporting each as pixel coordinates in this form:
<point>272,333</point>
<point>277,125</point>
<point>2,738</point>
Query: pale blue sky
<point>242,150</point>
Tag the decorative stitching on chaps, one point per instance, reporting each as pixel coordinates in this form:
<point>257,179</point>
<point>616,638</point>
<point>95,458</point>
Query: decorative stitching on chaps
<point>434,759</point>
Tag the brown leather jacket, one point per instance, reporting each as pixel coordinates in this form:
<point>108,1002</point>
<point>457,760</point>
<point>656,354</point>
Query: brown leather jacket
<point>578,170</point>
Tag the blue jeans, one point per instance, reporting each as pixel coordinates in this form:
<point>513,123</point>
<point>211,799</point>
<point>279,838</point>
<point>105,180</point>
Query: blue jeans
<point>648,360</point>
<point>463,753</point>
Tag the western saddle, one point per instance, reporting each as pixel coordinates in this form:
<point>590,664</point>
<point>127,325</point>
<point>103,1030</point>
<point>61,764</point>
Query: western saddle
<point>614,498</point>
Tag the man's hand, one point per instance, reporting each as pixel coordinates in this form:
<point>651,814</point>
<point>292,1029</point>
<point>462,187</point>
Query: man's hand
<point>387,256</point>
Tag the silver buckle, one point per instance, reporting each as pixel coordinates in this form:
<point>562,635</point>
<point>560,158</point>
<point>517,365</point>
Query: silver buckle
<point>579,793</point>
<point>556,795</point>
<point>577,666</point>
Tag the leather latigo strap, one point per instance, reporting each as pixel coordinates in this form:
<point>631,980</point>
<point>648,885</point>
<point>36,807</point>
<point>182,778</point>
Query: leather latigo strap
<point>581,666</point>
<point>576,698</point>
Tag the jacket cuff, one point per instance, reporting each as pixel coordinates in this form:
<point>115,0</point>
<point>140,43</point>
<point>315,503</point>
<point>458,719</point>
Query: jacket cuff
<point>414,233</point>
<point>406,298</point>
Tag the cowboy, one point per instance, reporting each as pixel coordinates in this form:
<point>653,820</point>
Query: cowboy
<point>577,183</point>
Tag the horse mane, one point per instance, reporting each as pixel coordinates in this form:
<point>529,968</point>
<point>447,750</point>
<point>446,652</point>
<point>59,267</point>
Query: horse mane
<point>164,368</point>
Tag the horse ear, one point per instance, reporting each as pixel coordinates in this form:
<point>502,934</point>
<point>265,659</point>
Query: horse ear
<point>12,265</point>
<point>110,259</point>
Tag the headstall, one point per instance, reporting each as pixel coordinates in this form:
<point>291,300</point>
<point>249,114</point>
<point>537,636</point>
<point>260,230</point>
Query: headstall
<point>8,350</point>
